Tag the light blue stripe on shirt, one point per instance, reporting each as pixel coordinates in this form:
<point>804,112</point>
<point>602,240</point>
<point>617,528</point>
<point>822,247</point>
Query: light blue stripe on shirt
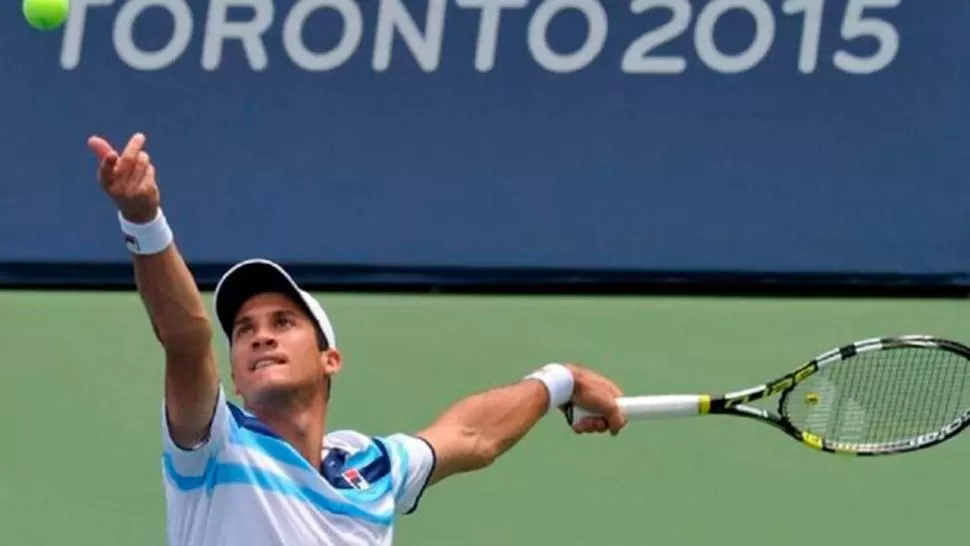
<point>224,474</point>
<point>282,452</point>
<point>278,450</point>
<point>401,455</point>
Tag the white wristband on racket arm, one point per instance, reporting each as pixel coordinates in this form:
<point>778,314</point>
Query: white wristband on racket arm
<point>146,239</point>
<point>558,381</point>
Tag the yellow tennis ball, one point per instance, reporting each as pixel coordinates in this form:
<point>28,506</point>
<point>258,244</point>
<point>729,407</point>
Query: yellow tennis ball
<point>46,14</point>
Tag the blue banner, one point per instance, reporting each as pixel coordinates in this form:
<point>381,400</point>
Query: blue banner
<point>776,136</point>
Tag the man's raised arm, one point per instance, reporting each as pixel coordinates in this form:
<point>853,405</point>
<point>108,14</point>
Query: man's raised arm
<point>175,306</point>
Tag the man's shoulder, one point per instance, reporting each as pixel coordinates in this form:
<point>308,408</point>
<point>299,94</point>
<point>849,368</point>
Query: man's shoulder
<point>348,439</point>
<point>393,445</point>
<point>404,459</point>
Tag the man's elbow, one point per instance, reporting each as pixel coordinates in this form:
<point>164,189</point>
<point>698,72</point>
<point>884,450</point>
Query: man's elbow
<point>483,452</point>
<point>191,336</point>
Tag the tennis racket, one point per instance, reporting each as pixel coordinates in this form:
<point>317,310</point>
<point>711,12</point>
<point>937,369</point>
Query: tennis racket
<point>877,396</point>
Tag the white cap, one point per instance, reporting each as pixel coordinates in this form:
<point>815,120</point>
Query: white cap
<point>257,276</point>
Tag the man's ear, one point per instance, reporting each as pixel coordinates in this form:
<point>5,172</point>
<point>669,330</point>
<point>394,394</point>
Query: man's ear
<point>332,362</point>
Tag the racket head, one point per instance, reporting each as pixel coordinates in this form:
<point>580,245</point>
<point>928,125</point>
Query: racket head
<point>879,396</point>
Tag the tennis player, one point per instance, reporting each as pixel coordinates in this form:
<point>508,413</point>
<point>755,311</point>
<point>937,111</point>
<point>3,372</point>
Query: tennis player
<point>268,472</point>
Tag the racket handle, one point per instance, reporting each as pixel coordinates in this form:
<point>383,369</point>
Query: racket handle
<point>666,406</point>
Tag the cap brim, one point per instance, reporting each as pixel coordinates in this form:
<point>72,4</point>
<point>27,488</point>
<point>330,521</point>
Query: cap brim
<point>247,279</point>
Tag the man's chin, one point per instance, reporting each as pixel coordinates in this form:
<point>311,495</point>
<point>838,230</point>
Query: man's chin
<point>271,387</point>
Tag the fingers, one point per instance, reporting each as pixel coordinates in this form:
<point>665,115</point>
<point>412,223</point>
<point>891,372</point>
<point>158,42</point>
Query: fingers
<point>129,157</point>
<point>616,390</point>
<point>611,417</point>
<point>106,156</point>
<point>612,424</point>
<point>101,148</point>
<point>141,165</point>
<point>106,167</point>
<point>616,421</point>
<point>591,425</point>
<point>133,162</point>
<point>598,395</point>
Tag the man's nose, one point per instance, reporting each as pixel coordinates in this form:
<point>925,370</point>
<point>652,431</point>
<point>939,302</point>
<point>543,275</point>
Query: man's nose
<point>263,339</point>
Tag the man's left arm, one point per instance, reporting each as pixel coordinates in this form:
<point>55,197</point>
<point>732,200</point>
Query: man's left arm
<point>476,431</point>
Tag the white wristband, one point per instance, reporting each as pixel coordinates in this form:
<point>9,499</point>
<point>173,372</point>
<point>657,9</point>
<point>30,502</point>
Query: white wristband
<point>558,381</point>
<point>150,238</point>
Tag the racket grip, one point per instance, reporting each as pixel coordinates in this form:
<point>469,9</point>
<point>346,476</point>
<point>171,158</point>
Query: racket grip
<point>666,406</point>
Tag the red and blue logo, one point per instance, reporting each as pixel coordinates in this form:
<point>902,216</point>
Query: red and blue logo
<point>355,479</point>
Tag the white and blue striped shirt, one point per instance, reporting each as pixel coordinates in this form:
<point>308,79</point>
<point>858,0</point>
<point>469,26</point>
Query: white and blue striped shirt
<point>246,486</point>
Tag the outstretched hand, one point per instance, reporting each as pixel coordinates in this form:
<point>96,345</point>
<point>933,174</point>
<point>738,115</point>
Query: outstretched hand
<point>128,178</point>
<point>597,394</point>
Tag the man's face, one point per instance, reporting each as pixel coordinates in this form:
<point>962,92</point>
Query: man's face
<point>274,352</point>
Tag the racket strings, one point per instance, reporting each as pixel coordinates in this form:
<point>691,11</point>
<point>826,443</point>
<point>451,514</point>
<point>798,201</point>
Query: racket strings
<point>882,396</point>
<point>915,404</point>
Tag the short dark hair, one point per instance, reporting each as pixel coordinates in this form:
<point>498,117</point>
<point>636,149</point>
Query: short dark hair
<point>322,342</point>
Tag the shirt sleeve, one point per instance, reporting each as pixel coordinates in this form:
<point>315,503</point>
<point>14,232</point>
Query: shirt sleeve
<point>183,464</point>
<point>412,462</point>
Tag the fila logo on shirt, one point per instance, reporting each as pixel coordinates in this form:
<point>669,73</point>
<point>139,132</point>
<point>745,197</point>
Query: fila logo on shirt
<point>355,479</point>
